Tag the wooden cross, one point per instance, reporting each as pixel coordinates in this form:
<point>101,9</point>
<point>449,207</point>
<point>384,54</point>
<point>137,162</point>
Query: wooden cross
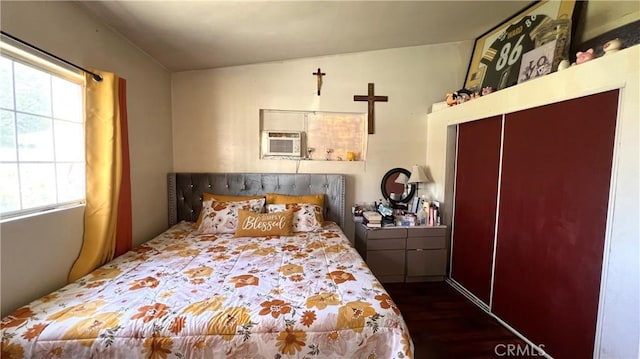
<point>371,99</point>
<point>319,75</point>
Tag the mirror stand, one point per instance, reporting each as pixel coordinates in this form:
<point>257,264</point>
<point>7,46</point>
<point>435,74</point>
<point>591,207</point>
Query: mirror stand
<point>395,189</point>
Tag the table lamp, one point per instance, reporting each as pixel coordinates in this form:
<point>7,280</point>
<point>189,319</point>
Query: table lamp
<point>418,176</point>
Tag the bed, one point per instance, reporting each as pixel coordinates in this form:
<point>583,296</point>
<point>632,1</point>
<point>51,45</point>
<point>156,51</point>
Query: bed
<point>187,294</point>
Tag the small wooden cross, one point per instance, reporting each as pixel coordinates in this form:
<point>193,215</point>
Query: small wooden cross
<point>319,75</point>
<point>371,99</point>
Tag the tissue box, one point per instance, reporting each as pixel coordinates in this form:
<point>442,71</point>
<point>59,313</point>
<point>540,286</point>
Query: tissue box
<point>406,220</point>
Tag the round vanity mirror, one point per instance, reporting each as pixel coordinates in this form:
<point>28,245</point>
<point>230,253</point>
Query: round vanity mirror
<point>395,188</point>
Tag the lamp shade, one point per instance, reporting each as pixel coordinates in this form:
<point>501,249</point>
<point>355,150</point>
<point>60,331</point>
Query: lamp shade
<point>418,175</point>
<point>402,178</point>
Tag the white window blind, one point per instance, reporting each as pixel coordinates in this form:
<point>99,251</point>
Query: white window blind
<point>42,159</point>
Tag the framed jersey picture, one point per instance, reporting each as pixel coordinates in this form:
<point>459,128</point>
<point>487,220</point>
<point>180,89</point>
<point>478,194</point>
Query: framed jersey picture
<point>497,54</point>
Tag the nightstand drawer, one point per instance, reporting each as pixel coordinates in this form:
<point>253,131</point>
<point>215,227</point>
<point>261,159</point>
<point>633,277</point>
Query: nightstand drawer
<point>386,233</point>
<point>428,262</point>
<point>427,232</point>
<point>380,244</point>
<point>426,243</point>
<point>388,265</point>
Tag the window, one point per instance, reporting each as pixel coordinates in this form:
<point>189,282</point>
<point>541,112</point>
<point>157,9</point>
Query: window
<point>42,161</point>
<point>328,136</point>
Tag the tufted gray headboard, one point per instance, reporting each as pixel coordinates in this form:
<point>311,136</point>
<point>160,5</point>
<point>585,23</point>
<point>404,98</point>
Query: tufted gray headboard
<point>185,190</point>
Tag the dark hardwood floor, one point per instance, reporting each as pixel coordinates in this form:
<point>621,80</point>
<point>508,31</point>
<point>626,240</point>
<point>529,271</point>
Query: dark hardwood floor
<point>445,324</point>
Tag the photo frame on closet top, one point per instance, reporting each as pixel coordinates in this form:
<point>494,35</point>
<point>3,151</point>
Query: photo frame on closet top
<point>497,54</point>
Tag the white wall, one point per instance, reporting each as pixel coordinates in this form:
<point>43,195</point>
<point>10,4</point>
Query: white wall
<point>216,112</point>
<point>37,253</point>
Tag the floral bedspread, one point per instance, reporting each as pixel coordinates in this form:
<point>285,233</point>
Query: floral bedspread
<point>184,295</point>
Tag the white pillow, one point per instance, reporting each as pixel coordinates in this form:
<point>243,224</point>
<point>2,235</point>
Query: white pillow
<point>222,217</point>
<point>305,215</point>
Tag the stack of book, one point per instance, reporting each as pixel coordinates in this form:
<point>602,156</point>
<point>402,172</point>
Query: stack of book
<point>372,219</point>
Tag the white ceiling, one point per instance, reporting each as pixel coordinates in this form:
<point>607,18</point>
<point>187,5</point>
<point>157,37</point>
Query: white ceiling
<point>190,35</point>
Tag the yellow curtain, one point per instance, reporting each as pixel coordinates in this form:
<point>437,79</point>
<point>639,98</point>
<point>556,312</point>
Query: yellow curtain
<point>103,174</point>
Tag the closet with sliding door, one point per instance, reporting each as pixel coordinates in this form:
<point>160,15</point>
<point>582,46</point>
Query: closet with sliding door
<point>538,234</point>
<point>534,252</point>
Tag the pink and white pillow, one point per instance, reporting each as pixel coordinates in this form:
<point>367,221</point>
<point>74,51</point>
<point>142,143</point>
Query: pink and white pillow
<point>305,215</point>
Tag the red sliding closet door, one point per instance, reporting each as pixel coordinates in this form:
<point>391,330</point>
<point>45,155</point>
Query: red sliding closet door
<point>554,194</point>
<point>475,204</point>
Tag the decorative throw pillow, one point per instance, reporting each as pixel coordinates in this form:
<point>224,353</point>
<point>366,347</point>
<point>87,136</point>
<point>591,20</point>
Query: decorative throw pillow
<point>252,224</point>
<point>317,199</point>
<point>305,215</point>
<point>222,198</point>
<point>222,217</point>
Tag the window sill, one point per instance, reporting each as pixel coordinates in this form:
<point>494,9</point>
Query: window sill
<point>40,212</point>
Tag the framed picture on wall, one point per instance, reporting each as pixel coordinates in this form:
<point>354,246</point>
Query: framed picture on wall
<point>497,54</point>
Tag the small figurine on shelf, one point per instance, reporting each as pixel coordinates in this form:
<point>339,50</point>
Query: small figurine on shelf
<point>582,57</point>
<point>451,99</point>
<point>458,97</point>
<point>463,97</point>
<point>564,64</point>
<point>612,46</point>
<point>487,90</point>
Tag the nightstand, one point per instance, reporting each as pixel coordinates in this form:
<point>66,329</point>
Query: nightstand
<point>404,254</point>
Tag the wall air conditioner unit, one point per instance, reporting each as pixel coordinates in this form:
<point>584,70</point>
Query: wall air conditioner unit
<point>283,143</point>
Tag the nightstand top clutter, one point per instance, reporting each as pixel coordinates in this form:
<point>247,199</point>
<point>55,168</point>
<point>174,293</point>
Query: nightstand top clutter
<point>360,220</point>
<point>427,215</point>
